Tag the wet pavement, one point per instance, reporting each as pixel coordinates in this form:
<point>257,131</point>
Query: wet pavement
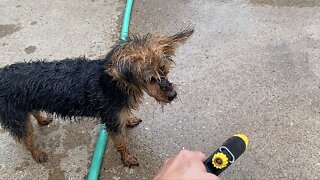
<point>251,67</point>
<point>54,30</point>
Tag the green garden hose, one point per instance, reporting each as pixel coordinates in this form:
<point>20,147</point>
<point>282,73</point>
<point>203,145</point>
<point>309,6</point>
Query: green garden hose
<point>94,170</point>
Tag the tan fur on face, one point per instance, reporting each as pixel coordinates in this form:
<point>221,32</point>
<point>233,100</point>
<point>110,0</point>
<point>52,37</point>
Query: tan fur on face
<point>139,59</point>
<point>155,91</point>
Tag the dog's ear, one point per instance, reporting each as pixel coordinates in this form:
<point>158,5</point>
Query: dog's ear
<point>171,43</point>
<point>126,71</point>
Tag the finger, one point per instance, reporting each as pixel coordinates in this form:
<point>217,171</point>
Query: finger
<point>184,152</point>
<point>192,155</point>
<point>169,160</point>
<point>199,165</point>
<point>166,163</point>
<point>199,155</point>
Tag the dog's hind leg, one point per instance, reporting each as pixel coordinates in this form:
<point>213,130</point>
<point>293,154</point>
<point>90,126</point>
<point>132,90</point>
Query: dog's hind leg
<point>28,140</point>
<point>42,120</point>
<point>19,125</point>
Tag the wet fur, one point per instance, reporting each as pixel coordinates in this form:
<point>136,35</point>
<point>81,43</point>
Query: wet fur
<point>69,88</point>
<point>107,89</point>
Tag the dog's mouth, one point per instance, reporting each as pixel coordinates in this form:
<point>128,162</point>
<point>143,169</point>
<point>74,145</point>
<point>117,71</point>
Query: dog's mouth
<point>163,101</point>
<point>167,100</point>
<point>166,97</point>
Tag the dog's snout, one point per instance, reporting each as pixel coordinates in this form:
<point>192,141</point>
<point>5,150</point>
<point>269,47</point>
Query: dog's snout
<point>165,84</point>
<point>172,95</point>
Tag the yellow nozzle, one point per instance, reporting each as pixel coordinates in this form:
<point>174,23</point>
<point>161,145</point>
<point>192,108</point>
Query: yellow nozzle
<point>244,138</point>
<point>220,160</point>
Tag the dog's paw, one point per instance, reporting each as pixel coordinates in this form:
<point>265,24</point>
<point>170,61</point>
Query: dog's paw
<point>40,156</point>
<point>45,121</point>
<point>133,122</point>
<point>130,161</point>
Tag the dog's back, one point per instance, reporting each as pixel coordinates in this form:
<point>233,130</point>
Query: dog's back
<point>70,88</point>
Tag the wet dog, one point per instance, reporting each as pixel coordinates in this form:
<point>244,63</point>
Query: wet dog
<point>108,89</point>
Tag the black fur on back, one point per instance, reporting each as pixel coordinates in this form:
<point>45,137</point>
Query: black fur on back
<point>69,88</point>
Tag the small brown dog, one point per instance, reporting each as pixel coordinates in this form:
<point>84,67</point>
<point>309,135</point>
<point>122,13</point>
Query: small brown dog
<point>107,89</point>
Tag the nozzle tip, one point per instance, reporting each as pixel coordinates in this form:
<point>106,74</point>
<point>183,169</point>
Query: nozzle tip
<point>244,138</point>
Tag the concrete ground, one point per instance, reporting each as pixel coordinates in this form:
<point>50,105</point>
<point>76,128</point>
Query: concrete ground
<point>251,67</point>
<point>54,30</point>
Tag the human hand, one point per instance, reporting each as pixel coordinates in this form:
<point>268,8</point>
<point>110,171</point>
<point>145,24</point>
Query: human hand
<point>186,165</point>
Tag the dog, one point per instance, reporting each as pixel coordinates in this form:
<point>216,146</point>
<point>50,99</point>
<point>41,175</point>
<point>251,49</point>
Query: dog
<point>107,88</point>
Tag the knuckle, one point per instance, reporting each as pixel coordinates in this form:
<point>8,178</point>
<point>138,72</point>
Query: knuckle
<point>184,152</point>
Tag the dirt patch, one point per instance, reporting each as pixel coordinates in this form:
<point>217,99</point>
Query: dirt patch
<point>7,29</point>
<point>2,131</point>
<point>30,49</point>
<point>298,3</point>
<point>55,171</point>
<point>116,36</point>
<point>22,166</point>
<point>74,138</point>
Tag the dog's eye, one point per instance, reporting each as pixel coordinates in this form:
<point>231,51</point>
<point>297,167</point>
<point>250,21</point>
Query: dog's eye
<point>153,80</point>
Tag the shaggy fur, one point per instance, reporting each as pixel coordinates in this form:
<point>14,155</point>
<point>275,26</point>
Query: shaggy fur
<point>107,89</point>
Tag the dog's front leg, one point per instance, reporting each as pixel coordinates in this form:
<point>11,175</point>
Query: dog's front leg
<point>120,143</point>
<point>118,137</point>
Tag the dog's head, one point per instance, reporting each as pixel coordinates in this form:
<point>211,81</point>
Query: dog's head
<point>143,63</point>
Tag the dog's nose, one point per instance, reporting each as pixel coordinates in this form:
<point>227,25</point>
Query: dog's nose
<point>172,95</point>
